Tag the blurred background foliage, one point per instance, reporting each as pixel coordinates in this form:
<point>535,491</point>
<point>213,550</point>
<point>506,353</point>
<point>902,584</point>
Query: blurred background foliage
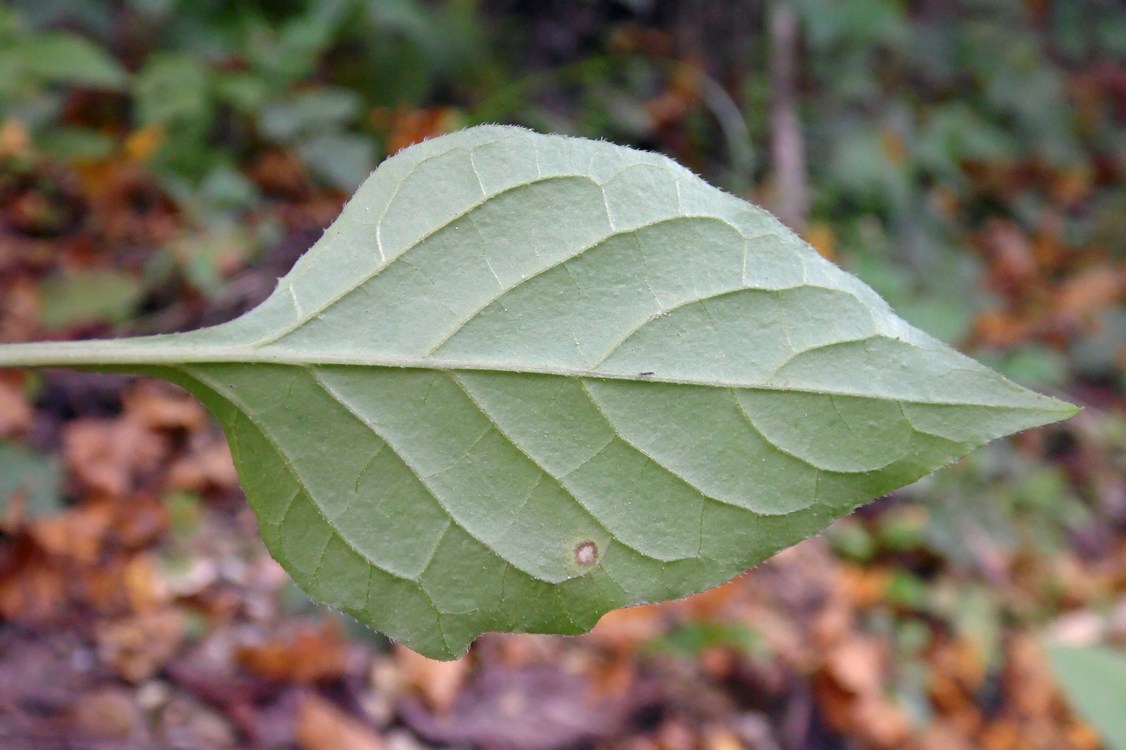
<point>163,161</point>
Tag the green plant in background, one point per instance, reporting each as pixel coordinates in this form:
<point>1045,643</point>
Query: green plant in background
<point>193,93</point>
<point>526,379</point>
<point>217,79</point>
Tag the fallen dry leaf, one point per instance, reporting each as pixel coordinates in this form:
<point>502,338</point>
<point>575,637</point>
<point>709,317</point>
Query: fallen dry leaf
<point>1012,264</point>
<point>138,521</point>
<point>78,534</point>
<point>323,726</point>
<point>143,585</point>
<point>439,682</point>
<point>850,690</point>
<point>823,238</point>
<point>280,173</point>
<point>186,722</point>
<point>302,653</point>
<point>15,413</point>
<point>33,586</point>
<point>15,140</point>
<point>128,205</point>
<point>109,713</point>
<point>207,464</point>
<point>1002,329</point>
<point>160,406</point>
<point>111,455</point>
<point>142,143</point>
<point>880,721</point>
<point>856,665</point>
<point>415,125</point>
<point>138,647</point>
<point>941,736</point>
<point>1088,293</point>
<point>19,315</point>
<point>1029,678</point>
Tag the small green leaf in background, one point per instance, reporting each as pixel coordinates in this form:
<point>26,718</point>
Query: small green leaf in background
<point>694,638</point>
<point>1094,680</point>
<point>96,296</point>
<point>173,88</point>
<point>31,477</point>
<point>525,379</point>
<point>308,112</point>
<point>315,122</point>
<point>58,57</point>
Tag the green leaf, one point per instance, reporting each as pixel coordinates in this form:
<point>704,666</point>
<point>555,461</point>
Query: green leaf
<point>525,379</point>
<point>341,159</point>
<point>31,478</point>
<point>309,113</point>
<point>174,88</point>
<point>1094,680</point>
<point>95,296</point>
<point>68,59</point>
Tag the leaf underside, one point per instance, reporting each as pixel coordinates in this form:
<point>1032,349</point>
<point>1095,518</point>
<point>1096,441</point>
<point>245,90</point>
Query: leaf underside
<point>524,380</point>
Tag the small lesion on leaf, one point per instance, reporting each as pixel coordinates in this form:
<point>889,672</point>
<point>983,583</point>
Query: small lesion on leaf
<point>586,553</point>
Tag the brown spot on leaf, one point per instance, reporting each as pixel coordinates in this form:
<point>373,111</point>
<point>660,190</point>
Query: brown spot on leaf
<point>586,553</point>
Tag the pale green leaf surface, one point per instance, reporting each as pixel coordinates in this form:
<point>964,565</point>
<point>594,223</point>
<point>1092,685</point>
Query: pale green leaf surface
<point>1094,680</point>
<point>526,379</point>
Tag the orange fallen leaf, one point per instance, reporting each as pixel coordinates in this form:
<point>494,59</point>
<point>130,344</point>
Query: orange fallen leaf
<point>1082,736</point>
<point>142,143</point>
<point>138,647</point>
<point>32,585</point>
<point>143,585</point>
<point>79,534</point>
<point>997,328</point>
<point>416,125</point>
<point>1090,292</point>
<point>323,726</point>
<point>1001,735</point>
<point>207,464</point>
<point>865,585</point>
<point>159,406</point>
<point>302,654</point>
<point>823,238</point>
<point>111,455</point>
<point>15,140</point>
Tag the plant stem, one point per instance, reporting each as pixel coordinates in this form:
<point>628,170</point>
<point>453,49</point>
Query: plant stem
<point>112,352</point>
